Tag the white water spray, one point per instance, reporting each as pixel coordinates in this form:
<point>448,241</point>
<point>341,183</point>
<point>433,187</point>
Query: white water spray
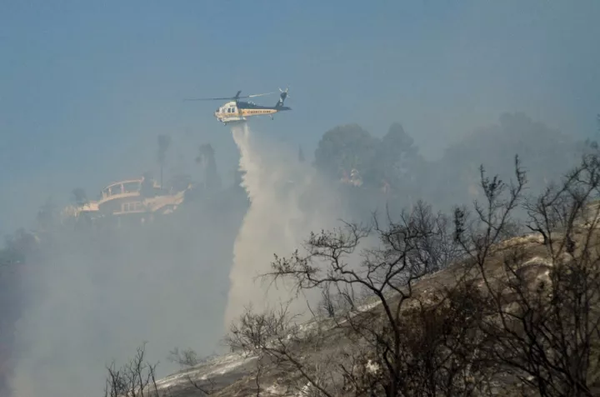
<point>288,201</point>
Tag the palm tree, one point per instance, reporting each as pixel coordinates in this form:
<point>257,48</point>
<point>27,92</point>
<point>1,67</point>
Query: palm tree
<point>300,154</point>
<point>79,197</point>
<point>206,158</point>
<point>164,141</point>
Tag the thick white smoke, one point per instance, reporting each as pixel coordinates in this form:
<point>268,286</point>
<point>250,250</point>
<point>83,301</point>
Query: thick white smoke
<point>288,201</point>
<point>97,297</point>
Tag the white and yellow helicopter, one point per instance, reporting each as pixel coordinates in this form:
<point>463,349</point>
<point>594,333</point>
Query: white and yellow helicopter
<point>236,111</point>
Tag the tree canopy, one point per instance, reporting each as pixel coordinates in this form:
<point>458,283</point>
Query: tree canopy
<point>344,148</point>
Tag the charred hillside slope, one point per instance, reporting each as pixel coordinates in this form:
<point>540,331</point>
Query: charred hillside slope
<point>503,299</point>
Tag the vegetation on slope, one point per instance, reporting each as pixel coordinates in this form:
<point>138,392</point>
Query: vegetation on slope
<point>388,171</point>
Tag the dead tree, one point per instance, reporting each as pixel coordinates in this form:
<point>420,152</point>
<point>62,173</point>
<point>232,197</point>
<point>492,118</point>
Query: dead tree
<point>508,321</point>
<point>270,337</point>
<point>188,359</point>
<point>185,358</point>
<point>386,357</point>
<point>134,379</point>
<point>543,322</point>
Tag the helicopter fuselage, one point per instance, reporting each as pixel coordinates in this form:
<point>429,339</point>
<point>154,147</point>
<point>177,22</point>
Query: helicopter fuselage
<point>235,112</point>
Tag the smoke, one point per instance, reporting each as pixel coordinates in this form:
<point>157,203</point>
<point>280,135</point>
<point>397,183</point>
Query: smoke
<point>287,201</point>
<point>97,295</point>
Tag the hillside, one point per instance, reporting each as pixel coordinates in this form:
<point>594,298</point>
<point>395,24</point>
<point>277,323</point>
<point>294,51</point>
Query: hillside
<point>234,374</point>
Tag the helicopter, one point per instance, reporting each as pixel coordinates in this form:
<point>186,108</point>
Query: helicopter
<point>236,111</point>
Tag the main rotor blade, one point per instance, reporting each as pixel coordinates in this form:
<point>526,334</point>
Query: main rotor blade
<point>208,99</point>
<point>255,95</point>
<point>227,98</point>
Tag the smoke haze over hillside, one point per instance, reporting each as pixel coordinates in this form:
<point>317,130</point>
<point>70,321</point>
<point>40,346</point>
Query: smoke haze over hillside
<point>87,87</point>
<point>97,295</point>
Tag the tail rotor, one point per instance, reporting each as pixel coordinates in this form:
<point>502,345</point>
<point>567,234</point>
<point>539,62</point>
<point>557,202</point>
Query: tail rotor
<point>282,96</point>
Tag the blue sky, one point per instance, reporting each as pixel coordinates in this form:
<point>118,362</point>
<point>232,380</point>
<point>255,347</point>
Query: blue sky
<point>86,86</point>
